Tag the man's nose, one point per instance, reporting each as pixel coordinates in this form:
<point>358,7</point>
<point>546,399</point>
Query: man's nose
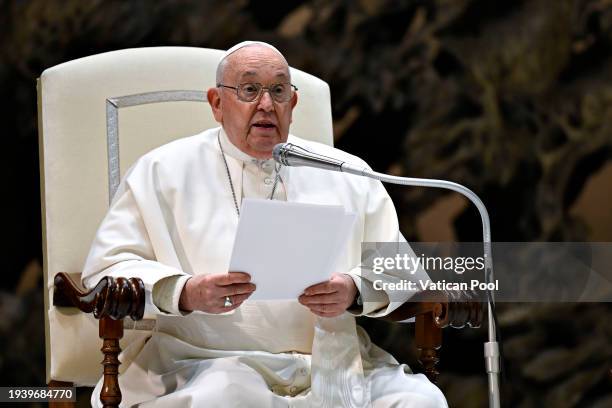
<point>265,101</point>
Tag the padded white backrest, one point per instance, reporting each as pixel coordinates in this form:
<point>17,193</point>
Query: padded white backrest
<point>74,159</point>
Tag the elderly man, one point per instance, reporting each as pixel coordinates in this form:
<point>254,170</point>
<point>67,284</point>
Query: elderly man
<point>172,223</point>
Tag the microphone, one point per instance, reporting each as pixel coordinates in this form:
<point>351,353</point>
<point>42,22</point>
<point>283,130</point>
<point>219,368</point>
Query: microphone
<point>289,154</point>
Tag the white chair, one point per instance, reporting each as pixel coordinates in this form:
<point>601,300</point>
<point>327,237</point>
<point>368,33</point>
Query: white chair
<point>97,115</point>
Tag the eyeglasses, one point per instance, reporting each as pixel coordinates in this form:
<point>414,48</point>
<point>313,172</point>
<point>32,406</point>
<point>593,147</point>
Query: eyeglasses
<point>251,91</point>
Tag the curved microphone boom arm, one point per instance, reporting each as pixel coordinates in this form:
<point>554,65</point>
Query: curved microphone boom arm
<point>292,155</point>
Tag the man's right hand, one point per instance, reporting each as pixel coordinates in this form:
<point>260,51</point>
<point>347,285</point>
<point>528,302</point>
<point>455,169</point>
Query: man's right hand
<point>207,292</point>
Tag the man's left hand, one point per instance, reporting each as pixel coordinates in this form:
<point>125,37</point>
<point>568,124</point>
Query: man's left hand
<point>330,298</point>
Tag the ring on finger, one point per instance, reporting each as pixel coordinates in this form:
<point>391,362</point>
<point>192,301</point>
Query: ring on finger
<point>228,302</point>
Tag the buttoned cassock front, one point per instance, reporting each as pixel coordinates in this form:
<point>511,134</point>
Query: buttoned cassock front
<point>174,216</point>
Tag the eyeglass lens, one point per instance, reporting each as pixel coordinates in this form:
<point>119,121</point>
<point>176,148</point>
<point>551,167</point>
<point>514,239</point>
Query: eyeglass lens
<point>250,91</point>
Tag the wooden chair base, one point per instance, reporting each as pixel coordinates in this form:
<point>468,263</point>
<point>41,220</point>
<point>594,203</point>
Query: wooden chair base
<point>57,404</point>
<point>110,301</point>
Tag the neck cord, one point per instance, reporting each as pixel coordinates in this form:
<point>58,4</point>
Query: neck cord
<point>229,176</point>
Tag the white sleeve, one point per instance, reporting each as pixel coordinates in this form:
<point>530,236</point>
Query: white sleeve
<point>167,294</point>
<point>122,247</point>
<point>381,225</point>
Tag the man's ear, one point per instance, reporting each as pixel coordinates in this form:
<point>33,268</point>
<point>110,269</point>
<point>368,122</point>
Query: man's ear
<point>214,100</point>
<point>293,101</point>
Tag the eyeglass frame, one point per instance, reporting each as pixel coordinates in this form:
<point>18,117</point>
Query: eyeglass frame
<point>261,90</point>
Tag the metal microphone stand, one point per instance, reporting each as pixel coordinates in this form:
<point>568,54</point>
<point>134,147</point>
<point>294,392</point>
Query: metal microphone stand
<point>491,348</point>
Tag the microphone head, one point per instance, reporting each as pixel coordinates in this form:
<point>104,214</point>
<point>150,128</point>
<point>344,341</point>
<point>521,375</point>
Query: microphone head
<point>289,154</point>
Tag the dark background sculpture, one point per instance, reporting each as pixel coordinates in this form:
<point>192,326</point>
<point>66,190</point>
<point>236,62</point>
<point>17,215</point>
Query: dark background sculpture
<point>511,98</point>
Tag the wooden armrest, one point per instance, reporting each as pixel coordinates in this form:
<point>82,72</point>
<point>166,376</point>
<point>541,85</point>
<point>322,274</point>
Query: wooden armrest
<point>111,297</point>
<point>111,300</point>
<point>433,311</point>
<point>449,308</point>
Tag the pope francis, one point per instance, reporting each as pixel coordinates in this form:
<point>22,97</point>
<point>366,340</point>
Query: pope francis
<point>172,223</point>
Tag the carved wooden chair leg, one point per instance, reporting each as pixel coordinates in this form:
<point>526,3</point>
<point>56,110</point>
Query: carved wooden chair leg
<point>58,404</point>
<point>428,339</point>
<point>111,300</point>
<point>110,332</point>
<point>433,311</point>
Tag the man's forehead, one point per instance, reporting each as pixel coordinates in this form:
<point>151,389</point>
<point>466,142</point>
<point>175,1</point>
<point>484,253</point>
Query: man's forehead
<point>280,74</point>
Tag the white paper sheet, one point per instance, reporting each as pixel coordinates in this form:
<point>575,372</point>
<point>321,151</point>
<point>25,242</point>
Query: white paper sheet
<point>286,247</point>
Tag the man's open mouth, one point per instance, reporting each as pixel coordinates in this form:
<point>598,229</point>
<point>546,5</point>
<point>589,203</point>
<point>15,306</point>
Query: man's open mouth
<point>264,125</point>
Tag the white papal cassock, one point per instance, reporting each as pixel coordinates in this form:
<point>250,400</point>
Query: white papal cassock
<point>174,216</point>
